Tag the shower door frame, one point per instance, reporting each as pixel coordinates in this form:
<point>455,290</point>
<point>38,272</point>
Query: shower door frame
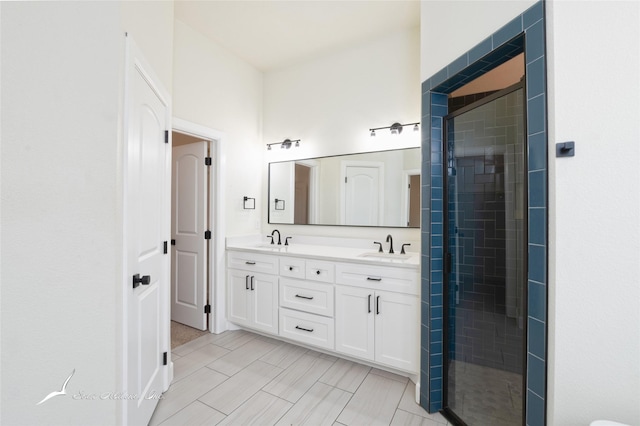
<point>446,410</point>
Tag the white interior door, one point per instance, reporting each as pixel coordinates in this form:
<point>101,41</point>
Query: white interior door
<point>146,208</point>
<point>188,226</point>
<point>362,195</point>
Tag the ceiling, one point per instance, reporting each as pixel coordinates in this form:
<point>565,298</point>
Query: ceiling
<point>271,34</point>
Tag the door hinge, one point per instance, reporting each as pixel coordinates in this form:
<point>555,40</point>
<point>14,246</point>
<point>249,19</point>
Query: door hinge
<point>207,235</point>
<point>345,180</point>
<point>173,242</point>
<point>207,161</point>
<point>166,136</point>
<point>166,247</point>
<point>207,309</point>
<point>164,358</point>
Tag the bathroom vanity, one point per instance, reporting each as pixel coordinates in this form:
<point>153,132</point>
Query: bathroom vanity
<point>354,302</point>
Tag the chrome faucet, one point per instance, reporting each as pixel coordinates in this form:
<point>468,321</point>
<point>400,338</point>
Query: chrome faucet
<point>390,241</point>
<point>272,236</point>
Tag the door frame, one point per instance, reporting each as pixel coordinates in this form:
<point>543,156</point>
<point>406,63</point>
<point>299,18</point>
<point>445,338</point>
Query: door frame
<point>217,291</point>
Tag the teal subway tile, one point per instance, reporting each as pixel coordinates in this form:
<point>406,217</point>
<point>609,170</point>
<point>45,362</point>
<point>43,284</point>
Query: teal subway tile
<point>535,78</point>
<point>436,324</point>
<point>535,410</point>
<point>536,374</point>
<point>537,300</point>
<point>538,151</point>
<point>437,228</point>
<point>436,287</point>
<point>537,189</point>
<point>436,157</point>
<point>532,15</point>
<point>458,65</point>
<point>436,311</point>
<point>538,226</point>
<point>435,346</point>
<point>537,263</point>
<point>439,110</point>
<point>536,115</point>
<point>441,99</point>
<point>480,50</point>
<point>536,339</point>
<point>439,77</point>
<point>436,169</point>
<point>435,360</point>
<point>507,32</point>
<point>535,42</point>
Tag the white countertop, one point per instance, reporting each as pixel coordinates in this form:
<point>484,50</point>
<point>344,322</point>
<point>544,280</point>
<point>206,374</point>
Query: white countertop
<point>325,252</point>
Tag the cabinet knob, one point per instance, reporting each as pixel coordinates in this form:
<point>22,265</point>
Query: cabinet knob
<point>318,272</point>
<point>291,268</point>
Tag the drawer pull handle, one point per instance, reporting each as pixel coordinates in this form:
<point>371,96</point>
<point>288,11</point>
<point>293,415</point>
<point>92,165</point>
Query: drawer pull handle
<point>250,262</point>
<point>374,279</point>
<point>369,304</point>
<point>377,305</point>
<point>305,297</point>
<point>310,330</point>
<point>246,282</point>
<point>252,283</point>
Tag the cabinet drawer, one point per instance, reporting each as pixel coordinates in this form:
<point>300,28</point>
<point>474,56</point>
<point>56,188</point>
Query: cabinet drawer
<point>307,328</point>
<point>292,267</point>
<point>255,262</point>
<point>320,271</point>
<point>316,298</point>
<point>400,280</point>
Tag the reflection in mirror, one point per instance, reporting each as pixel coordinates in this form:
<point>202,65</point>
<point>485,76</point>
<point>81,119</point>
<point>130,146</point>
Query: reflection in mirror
<point>370,189</point>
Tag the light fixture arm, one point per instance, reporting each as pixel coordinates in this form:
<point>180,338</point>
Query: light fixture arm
<point>396,128</point>
<point>286,144</point>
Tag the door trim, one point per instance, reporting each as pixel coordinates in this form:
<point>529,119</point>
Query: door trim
<point>218,322</point>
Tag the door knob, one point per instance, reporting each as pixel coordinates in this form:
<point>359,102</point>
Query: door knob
<point>145,280</point>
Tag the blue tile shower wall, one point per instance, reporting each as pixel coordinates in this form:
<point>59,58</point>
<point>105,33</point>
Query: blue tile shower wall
<point>526,31</point>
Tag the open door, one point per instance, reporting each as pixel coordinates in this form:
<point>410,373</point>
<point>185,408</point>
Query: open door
<point>189,230</point>
<point>146,226</point>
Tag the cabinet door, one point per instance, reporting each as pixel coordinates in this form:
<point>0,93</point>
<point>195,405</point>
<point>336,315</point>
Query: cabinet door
<point>264,289</point>
<point>355,322</point>
<point>397,330</point>
<point>239,297</point>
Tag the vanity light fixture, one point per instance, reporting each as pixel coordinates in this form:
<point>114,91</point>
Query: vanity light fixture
<point>285,144</point>
<point>396,128</point>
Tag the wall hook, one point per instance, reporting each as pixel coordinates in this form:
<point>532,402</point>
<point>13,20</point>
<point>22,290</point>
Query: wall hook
<point>566,149</point>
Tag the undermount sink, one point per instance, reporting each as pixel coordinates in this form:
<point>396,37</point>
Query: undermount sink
<point>386,255</point>
<point>269,246</point>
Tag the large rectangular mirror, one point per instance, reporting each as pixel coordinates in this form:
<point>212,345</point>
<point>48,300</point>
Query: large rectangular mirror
<point>368,189</point>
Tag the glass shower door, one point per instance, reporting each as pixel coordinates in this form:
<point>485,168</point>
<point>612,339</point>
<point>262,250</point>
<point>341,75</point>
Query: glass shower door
<point>485,252</point>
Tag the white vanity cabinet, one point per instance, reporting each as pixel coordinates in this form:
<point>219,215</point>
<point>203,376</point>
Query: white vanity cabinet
<point>252,286</point>
<point>365,310</point>
<point>374,323</point>
<point>307,301</point>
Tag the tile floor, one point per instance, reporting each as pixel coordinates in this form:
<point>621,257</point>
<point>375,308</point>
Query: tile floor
<point>241,378</point>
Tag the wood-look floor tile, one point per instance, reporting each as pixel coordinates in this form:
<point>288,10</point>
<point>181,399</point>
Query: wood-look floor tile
<point>321,405</point>
<point>194,414</point>
<point>261,409</point>
<point>374,403</point>
<point>237,389</point>
<point>284,355</point>
<point>293,382</point>
<point>231,339</point>
<point>197,359</point>
<point>236,360</point>
<point>185,391</point>
<point>389,375</point>
<point>345,375</point>
<point>191,346</point>
<point>404,418</point>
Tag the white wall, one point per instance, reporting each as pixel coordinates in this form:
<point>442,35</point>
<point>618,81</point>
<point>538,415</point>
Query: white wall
<point>594,234</point>
<point>594,87</point>
<point>61,213</point>
<point>215,89</point>
<point>331,102</point>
